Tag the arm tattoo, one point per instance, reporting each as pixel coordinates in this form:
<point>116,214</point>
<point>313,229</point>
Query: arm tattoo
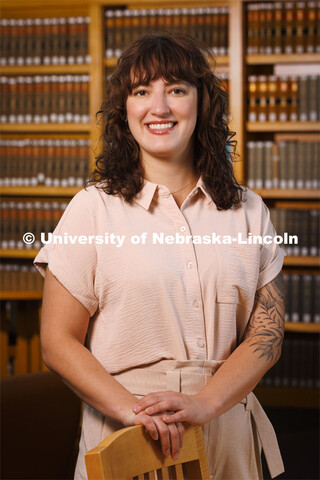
<point>265,329</point>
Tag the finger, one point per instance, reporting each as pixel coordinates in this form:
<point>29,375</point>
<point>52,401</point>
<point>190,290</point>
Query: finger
<point>174,441</point>
<point>164,436</point>
<point>180,428</point>
<point>149,400</point>
<point>161,407</point>
<point>175,417</point>
<point>149,425</point>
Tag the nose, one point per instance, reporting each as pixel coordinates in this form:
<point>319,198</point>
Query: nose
<point>160,105</point>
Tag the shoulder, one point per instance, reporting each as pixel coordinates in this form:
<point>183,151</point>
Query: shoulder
<point>91,197</point>
<point>252,203</point>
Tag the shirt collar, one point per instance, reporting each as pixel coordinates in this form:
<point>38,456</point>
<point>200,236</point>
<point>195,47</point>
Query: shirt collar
<point>146,194</point>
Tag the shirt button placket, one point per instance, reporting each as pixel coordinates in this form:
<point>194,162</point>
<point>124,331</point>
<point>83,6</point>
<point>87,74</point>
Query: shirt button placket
<point>194,294</point>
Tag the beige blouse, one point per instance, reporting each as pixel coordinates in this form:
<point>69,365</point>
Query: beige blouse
<point>156,279</point>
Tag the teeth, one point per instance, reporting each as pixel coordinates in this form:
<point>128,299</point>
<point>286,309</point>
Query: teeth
<point>160,126</point>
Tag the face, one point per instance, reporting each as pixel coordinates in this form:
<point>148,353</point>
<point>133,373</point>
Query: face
<point>162,118</point>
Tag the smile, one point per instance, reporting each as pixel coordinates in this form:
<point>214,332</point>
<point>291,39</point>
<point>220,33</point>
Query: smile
<point>160,128</point>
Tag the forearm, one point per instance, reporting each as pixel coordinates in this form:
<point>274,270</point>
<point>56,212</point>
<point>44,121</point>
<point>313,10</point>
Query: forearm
<point>258,352</point>
<point>235,379</point>
<point>82,372</point>
<point>239,374</point>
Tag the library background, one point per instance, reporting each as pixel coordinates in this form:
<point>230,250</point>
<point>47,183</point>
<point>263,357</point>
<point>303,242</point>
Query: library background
<point>54,58</point>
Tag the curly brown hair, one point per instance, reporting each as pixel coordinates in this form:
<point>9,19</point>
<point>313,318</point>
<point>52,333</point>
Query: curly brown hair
<point>172,57</point>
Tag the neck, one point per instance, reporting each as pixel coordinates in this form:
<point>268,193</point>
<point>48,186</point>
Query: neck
<point>175,176</point>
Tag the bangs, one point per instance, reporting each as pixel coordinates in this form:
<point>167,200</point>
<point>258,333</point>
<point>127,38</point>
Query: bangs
<point>159,56</point>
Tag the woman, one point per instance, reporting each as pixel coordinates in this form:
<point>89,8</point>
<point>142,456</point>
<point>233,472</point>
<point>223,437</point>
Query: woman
<point>181,322</point>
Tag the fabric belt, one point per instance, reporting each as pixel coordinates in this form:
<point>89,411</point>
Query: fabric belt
<point>189,377</point>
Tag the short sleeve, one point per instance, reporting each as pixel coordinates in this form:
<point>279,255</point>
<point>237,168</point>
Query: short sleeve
<point>71,254</point>
<point>271,256</point>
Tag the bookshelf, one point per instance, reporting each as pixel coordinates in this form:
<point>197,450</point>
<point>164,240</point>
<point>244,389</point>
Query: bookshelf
<point>283,127</point>
<point>271,59</point>
<point>238,64</point>
<point>257,62</point>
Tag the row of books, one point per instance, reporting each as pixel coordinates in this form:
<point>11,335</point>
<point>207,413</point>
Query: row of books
<point>283,27</point>
<point>298,365</point>
<point>49,162</point>
<point>209,25</point>
<point>300,229</point>
<point>283,98</point>
<point>44,41</point>
<point>283,164</point>
<point>20,277</point>
<point>33,217</point>
<point>302,294</point>
<point>45,99</point>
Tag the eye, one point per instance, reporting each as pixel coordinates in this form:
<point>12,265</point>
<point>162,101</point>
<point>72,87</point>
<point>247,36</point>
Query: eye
<point>178,91</point>
<point>139,93</point>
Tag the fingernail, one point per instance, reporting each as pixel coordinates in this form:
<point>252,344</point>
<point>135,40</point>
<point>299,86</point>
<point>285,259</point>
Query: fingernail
<point>175,457</point>
<point>149,410</point>
<point>155,436</point>
<point>136,409</point>
<point>165,419</point>
<point>167,453</point>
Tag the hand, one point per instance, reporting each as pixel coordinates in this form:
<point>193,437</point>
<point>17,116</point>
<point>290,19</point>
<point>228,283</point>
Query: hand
<point>193,409</point>
<point>171,436</point>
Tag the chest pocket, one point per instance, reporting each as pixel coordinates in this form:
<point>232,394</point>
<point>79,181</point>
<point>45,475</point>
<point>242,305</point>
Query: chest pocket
<point>238,271</point>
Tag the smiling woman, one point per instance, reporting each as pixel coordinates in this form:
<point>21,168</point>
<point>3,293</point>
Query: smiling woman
<point>178,331</point>
<point>161,79</point>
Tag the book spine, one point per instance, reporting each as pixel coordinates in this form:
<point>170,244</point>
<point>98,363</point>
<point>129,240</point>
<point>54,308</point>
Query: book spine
<point>300,44</point>
<point>303,98</point>
<point>251,163</point>
<point>313,98</point>
<point>268,177</point>
<point>307,299</point>
<point>311,27</point>
<point>293,99</point>
<point>295,298</point>
<point>289,34</point>
<point>283,98</point>
<point>272,98</point>
<point>278,28</point>
<point>259,164</point>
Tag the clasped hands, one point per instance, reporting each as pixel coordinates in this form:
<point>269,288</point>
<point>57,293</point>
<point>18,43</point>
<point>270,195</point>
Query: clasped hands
<point>162,414</point>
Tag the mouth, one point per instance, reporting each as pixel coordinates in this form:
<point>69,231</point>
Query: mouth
<point>160,128</point>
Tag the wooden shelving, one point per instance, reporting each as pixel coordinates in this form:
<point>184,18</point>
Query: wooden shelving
<point>18,253</point>
<point>45,127</point>
<point>302,261</point>
<point>283,126</point>
<point>23,295</point>
<point>302,327</point>
<point>40,191</point>
<point>277,193</point>
<point>46,69</point>
<point>282,58</point>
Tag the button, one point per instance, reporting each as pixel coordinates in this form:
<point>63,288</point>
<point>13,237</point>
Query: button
<point>189,264</point>
<point>200,344</point>
<point>196,304</point>
<point>182,229</point>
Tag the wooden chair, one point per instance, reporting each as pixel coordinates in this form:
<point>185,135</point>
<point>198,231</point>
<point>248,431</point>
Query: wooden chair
<point>130,453</point>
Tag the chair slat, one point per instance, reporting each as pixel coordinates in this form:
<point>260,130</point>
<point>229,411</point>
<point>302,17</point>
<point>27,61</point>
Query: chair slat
<point>152,475</point>
<point>140,477</point>
<point>165,474</point>
<point>179,472</point>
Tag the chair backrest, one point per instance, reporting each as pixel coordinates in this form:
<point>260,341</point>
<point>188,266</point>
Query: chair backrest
<point>130,453</point>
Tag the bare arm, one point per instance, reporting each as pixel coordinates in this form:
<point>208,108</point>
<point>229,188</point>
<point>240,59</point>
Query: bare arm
<point>64,325</point>
<point>237,377</point>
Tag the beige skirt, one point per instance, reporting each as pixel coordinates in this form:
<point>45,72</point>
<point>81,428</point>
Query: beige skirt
<point>233,441</point>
